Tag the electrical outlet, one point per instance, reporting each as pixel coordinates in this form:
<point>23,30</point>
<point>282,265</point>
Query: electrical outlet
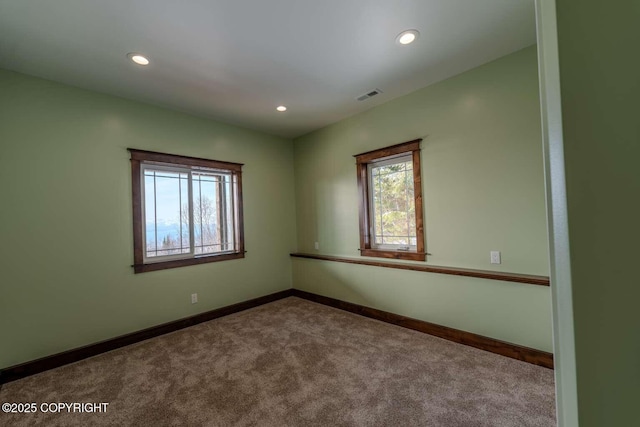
<point>194,298</point>
<point>317,246</point>
<point>495,257</point>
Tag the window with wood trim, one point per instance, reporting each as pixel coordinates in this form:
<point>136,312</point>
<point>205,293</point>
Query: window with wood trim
<point>186,210</point>
<point>390,193</point>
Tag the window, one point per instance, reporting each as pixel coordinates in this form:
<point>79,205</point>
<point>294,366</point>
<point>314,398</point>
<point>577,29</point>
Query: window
<point>185,210</point>
<point>390,191</point>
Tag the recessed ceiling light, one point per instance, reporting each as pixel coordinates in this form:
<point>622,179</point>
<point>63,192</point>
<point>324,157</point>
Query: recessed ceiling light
<point>408,36</point>
<point>138,59</point>
<point>281,108</point>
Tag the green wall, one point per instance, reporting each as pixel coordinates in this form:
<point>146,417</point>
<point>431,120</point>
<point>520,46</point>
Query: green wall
<point>600,80</point>
<point>66,222</point>
<point>483,186</point>
<point>65,218</point>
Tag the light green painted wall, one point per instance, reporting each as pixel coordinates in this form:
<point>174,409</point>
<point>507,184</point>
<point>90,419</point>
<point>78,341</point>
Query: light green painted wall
<point>496,309</point>
<point>483,187</point>
<point>483,191</point>
<point>600,80</point>
<point>66,227</point>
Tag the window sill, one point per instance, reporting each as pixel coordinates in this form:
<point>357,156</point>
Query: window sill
<point>411,256</point>
<point>176,263</point>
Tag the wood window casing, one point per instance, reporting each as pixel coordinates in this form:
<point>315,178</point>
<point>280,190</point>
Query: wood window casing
<point>140,157</point>
<point>363,160</point>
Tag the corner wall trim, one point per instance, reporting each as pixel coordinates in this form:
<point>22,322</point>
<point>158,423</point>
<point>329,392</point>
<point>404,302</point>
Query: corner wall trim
<point>26,369</point>
<point>481,274</point>
<point>514,351</point>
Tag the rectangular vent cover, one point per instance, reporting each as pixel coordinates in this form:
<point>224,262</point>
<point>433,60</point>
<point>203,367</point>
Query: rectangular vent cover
<point>369,94</point>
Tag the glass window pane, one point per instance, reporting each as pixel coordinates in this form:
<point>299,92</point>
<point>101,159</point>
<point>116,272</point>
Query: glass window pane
<point>150,212</point>
<point>168,212</point>
<point>229,238</point>
<point>207,209</point>
<point>166,233</point>
<point>185,233</point>
<point>393,203</point>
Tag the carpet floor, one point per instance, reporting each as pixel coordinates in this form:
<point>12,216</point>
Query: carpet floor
<point>292,363</point>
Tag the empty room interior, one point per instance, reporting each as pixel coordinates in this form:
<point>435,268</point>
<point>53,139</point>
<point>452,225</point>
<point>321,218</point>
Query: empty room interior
<point>294,213</point>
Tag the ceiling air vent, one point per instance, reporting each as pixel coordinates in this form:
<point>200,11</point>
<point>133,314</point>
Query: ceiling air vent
<point>369,94</point>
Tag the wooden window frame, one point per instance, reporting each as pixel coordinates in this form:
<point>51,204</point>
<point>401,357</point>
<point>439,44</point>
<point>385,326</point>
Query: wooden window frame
<point>138,157</point>
<point>364,195</point>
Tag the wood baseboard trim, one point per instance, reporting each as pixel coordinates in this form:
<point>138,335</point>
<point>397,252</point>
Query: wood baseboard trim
<point>481,274</point>
<point>26,369</point>
<point>514,351</point>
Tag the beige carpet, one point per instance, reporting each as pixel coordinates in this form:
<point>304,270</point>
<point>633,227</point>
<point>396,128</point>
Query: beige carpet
<point>293,363</point>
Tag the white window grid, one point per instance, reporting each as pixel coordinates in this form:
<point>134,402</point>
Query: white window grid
<point>374,232</point>
<point>232,218</point>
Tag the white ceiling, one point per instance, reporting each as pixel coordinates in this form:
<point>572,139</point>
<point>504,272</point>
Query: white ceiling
<point>236,60</point>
